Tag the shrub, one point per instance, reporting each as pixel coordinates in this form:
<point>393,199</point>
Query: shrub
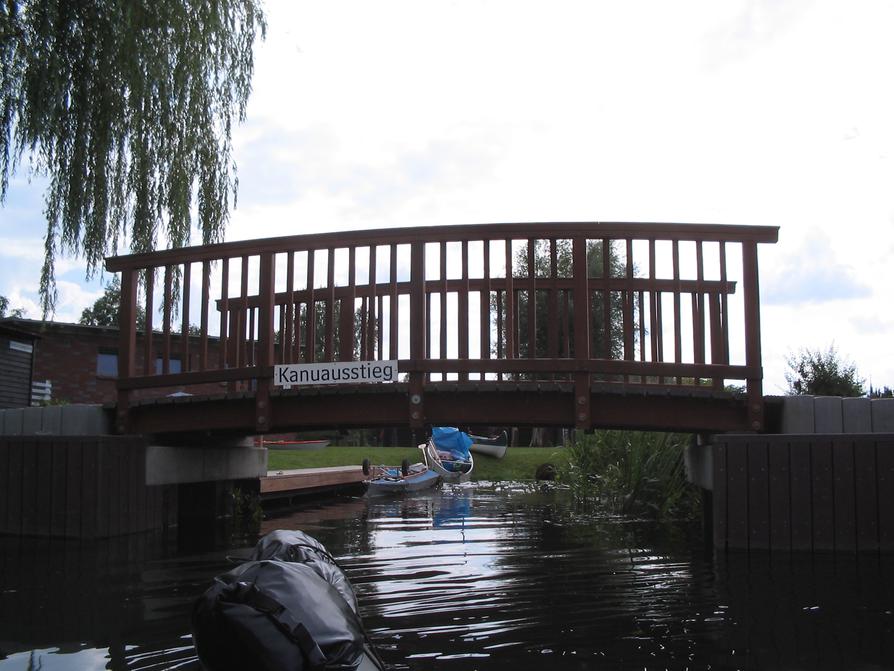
<point>632,473</point>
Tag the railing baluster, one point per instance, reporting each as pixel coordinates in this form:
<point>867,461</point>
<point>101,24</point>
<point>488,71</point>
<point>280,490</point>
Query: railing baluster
<point>463,307</point>
<point>242,344</point>
<point>724,304</point>
<point>206,293</point>
<point>606,299</point>
<point>346,312</point>
<point>581,273</point>
<point>654,306</point>
<point>148,358</point>
<point>698,309</point>
<point>627,303</point>
<point>371,332</point>
<point>288,339</point>
<point>330,306</point>
<point>532,301</point>
<point>310,329</point>
<point>678,338</point>
<point>552,316</point>
<point>392,307</point>
<point>166,328</point>
<point>185,363</point>
<point>224,312</point>
<point>484,304</point>
<point>510,305</point>
<point>443,303</point>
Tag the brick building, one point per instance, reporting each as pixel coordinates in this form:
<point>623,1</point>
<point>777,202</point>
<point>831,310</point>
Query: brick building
<point>80,363</point>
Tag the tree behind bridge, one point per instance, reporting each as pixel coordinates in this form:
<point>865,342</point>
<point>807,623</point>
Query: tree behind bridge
<point>127,106</point>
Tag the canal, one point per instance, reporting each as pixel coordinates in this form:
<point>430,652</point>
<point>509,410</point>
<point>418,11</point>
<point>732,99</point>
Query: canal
<point>482,576</point>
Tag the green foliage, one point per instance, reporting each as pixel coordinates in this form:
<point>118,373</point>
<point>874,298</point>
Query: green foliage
<point>127,106</point>
<point>818,373</point>
<point>884,392</point>
<point>632,473</point>
<point>105,310</point>
<point>15,313</point>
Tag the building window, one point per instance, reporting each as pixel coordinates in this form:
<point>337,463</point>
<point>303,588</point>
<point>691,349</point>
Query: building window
<point>107,363</point>
<point>173,365</point>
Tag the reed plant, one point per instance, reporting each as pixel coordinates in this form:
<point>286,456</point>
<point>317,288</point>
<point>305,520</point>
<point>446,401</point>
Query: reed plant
<point>632,473</point>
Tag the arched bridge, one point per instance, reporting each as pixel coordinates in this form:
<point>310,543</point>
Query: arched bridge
<point>652,326</point>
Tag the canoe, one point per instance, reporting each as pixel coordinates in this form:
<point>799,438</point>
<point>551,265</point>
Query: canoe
<point>288,606</point>
<point>450,469</point>
<point>391,480</point>
<point>495,446</point>
<point>295,444</point>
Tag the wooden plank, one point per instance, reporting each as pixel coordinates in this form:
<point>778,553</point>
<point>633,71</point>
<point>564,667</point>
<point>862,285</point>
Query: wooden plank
<point>89,489</point>
<point>74,474</point>
<point>780,496</point>
<point>148,355</point>
<point>102,502</point>
<point>43,486</point>
<point>823,501</point>
<point>885,460</point>
<point>801,483</point>
<point>58,477</point>
<point>134,487</point>
<point>719,497</point>
<point>844,495</point>
<point>758,495</point>
<point>866,488</point>
<point>16,459</point>
<point>737,495</point>
<point>117,500</point>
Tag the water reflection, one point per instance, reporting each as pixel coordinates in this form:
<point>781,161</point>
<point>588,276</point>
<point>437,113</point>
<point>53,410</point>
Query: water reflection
<point>472,577</point>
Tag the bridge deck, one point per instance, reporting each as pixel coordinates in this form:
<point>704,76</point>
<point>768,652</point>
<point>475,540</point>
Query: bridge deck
<point>449,403</point>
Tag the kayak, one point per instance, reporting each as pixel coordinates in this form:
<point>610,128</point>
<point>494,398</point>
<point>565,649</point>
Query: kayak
<point>290,606</point>
<point>446,464</point>
<point>495,446</point>
<point>393,480</point>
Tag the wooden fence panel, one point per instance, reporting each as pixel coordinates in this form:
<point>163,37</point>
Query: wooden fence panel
<point>780,496</point>
<point>823,502</point>
<point>801,482</point>
<point>758,495</point>
<point>76,487</point>
<point>843,493</point>
<point>885,463</point>
<point>866,495</point>
<point>804,493</point>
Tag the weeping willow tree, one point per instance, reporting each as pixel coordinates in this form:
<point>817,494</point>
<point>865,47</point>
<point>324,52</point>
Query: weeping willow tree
<point>127,107</point>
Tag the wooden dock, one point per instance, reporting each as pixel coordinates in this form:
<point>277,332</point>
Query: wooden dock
<point>288,483</point>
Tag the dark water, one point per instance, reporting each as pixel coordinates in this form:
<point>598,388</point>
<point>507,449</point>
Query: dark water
<point>482,577</point>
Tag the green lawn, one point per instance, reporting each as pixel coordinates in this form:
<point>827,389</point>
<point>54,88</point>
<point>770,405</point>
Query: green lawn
<point>518,464</point>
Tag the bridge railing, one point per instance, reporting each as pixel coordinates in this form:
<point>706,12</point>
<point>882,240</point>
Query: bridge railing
<point>650,305</point>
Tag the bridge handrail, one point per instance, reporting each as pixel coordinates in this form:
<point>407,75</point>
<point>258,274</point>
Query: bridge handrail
<point>262,326</point>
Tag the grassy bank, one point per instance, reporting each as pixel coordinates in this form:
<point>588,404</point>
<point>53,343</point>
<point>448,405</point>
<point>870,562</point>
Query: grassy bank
<point>518,464</point>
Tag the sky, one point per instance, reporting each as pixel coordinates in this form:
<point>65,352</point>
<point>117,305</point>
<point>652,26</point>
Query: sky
<point>403,113</point>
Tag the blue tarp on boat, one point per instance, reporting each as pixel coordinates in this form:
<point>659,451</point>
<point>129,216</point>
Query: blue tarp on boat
<point>451,439</point>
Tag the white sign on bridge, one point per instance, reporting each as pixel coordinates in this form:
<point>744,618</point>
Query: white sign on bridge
<point>335,372</point>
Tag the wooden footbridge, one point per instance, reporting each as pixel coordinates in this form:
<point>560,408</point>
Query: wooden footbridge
<point>651,326</point>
